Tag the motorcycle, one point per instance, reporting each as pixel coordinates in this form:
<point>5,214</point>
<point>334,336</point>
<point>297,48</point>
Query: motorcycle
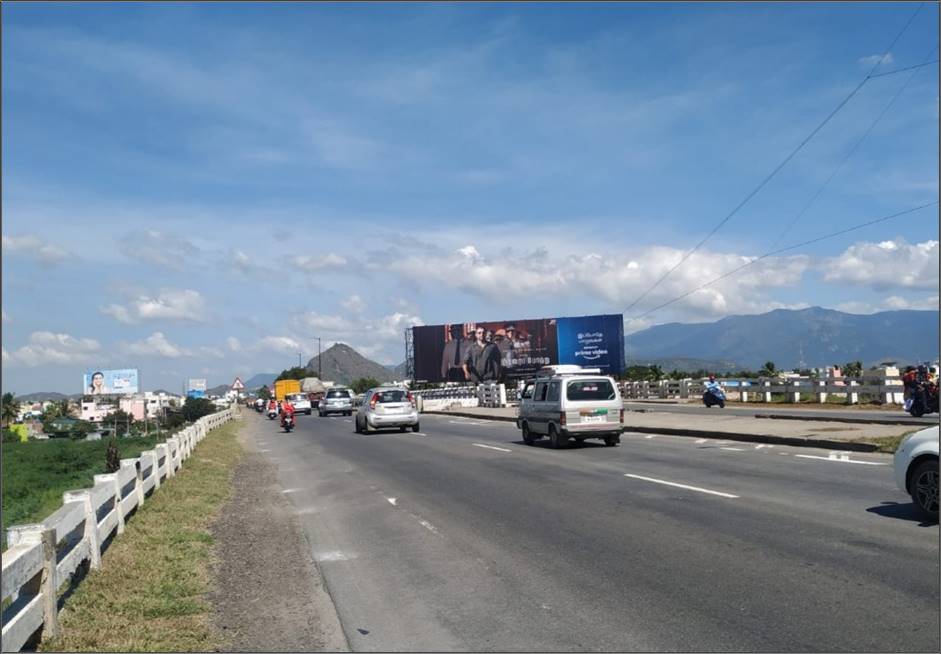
<point>924,399</point>
<point>287,422</point>
<point>712,396</point>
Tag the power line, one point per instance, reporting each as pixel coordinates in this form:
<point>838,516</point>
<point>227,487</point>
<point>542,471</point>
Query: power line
<point>850,152</point>
<point>781,165</point>
<point>786,249</point>
<point>902,70</point>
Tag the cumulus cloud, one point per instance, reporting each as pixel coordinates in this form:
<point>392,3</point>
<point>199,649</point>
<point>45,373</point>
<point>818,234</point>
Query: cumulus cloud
<point>182,305</point>
<point>161,249</point>
<point>354,304</point>
<point>889,264</point>
<point>277,344</point>
<point>872,60</point>
<point>891,303</point>
<point>156,345</point>
<point>234,344</point>
<point>311,263</point>
<point>369,336</point>
<point>30,245</point>
<point>51,348</point>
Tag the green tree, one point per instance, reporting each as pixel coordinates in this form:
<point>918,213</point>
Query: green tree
<point>363,384</point>
<point>112,456</point>
<point>196,407</point>
<point>120,420</point>
<point>768,369</point>
<point>65,407</point>
<point>264,393</point>
<point>853,369</point>
<point>293,373</point>
<point>9,408</point>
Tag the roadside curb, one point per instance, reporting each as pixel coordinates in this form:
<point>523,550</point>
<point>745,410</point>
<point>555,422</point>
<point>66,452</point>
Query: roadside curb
<point>799,441</point>
<point>860,421</point>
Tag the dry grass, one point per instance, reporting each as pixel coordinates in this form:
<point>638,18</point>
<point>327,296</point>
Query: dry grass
<point>151,591</point>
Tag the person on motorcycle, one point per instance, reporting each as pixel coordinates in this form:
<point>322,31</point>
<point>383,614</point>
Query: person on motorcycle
<point>713,386</point>
<point>287,409</point>
<point>909,382</point>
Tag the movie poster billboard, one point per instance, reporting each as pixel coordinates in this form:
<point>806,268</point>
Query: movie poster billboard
<point>111,382</point>
<point>507,350</point>
<point>196,388</point>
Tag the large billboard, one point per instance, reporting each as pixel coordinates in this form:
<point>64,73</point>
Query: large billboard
<point>512,349</point>
<point>196,388</point>
<point>111,382</point>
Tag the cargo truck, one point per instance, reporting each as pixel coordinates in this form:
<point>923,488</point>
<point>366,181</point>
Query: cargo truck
<point>286,387</point>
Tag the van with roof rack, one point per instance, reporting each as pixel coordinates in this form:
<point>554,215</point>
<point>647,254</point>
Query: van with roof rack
<point>570,402</point>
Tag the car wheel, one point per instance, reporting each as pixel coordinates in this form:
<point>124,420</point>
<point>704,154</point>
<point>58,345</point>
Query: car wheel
<point>416,428</point>
<point>556,439</point>
<point>320,413</point>
<point>309,411</point>
<point>924,489</point>
<point>403,429</point>
<point>527,435</point>
<point>356,427</point>
<point>610,441</point>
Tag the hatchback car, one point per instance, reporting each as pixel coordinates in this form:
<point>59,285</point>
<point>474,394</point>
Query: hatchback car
<point>387,407</point>
<point>916,470</point>
<point>336,400</point>
<point>300,402</point>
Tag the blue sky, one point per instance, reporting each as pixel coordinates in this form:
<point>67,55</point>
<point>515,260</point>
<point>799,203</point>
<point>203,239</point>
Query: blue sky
<point>198,190</point>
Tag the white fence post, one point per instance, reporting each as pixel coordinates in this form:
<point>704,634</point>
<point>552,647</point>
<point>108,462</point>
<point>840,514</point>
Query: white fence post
<point>851,397</point>
<point>49,585</point>
<point>767,392</point>
<point>91,524</point>
<point>112,481</point>
<point>822,392</point>
<point>795,395</point>
<point>139,481</point>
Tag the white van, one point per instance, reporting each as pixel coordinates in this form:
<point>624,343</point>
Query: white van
<point>565,402</point>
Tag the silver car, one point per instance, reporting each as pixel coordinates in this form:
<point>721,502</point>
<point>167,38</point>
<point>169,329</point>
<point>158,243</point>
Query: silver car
<point>336,400</point>
<point>386,407</point>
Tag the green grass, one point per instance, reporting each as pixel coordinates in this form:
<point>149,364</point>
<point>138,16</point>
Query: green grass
<point>36,473</point>
<point>150,594</point>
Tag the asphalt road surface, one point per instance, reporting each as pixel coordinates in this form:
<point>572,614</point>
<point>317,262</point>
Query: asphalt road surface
<point>460,537</point>
<point>695,408</point>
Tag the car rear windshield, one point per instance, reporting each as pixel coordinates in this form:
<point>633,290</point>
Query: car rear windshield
<point>384,397</point>
<point>298,396</point>
<point>338,393</point>
<point>591,389</point>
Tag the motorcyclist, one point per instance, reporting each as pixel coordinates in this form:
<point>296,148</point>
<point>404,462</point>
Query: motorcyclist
<point>272,405</point>
<point>287,409</point>
<point>909,382</point>
<point>713,386</point>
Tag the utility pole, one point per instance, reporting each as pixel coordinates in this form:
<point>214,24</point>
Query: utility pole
<point>319,362</point>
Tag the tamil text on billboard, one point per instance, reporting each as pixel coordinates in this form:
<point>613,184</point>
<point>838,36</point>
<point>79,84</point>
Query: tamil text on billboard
<point>511,349</point>
<point>111,382</point>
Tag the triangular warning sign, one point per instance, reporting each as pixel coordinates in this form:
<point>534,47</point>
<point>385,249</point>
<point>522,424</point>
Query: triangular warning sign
<point>237,385</point>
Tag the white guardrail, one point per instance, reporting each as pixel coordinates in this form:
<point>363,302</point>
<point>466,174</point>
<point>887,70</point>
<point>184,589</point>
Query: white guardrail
<point>42,558</point>
<point>888,389</point>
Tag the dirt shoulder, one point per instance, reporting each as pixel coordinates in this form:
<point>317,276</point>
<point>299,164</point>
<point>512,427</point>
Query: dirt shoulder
<point>269,594</point>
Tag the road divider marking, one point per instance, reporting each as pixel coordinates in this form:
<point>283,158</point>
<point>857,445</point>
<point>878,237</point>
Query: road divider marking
<point>491,447</point>
<point>430,527</point>
<point>392,500</point>
<point>651,436</point>
<point>334,555</point>
<point>347,420</point>
<point>758,447</point>
<point>672,483</point>
<point>702,440</point>
<point>733,449</point>
<point>466,422</point>
<point>288,491</point>
<point>841,459</point>
<point>264,450</point>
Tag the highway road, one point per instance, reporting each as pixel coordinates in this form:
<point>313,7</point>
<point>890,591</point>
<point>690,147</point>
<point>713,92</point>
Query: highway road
<point>771,409</point>
<point>460,537</point>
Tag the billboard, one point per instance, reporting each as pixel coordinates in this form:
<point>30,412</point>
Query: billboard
<point>196,388</point>
<point>111,382</point>
<point>506,350</point>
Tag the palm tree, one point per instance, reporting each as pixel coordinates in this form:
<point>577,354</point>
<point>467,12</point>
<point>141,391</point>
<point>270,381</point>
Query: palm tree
<point>9,408</point>
<point>768,369</point>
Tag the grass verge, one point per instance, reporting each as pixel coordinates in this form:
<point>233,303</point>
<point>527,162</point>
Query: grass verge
<point>151,591</point>
<point>887,443</point>
<point>36,473</point>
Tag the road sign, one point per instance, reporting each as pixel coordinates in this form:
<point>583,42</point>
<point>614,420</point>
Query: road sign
<point>237,385</point>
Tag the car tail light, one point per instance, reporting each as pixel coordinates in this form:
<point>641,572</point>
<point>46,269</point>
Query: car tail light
<point>372,402</point>
<point>411,399</point>
<point>562,419</point>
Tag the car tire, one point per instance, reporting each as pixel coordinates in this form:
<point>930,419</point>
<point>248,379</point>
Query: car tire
<point>556,439</point>
<point>356,427</point>
<point>416,428</point>
<point>611,441</point>
<point>367,429</point>
<point>403,429</point>
<point>527,435</point>
<point>309,411</point>
<point>923,488</point>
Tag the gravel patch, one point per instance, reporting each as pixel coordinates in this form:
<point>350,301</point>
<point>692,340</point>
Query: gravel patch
<point>269,595</point>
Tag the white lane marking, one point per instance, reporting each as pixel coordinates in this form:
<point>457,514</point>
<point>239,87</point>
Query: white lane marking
<point>391,500</point>
<point>334,555</point>
<point>733,449</point>
<point>758,447</point>
<point>288,491</point>
<point>308,511</point>
<point>346,420</point>
<point>264,450</point>
<point>466,422</point>
<point>650,436</point>
<point>845,459</point>
<point>703,440</point>
<point>419,433</point>
<point>491,447</point>
<point>783,453</point>
<point>427,525</point>
<point>671,483</point>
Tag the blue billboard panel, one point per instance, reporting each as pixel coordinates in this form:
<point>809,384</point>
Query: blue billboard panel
<point>593,342</point>
<point>111,382</point>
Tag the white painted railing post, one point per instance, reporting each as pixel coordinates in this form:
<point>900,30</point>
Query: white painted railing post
<point>851,397</point>
<point>111,480</point>
<point>138,481</point>
<point>165,450</point>
<point>795,395</point>
<point>91,524</point>
<point>154,457</point>
<point>49,585</point>
<point>767,392</point>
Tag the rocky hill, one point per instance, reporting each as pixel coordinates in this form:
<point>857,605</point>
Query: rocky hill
<point>342,364</point>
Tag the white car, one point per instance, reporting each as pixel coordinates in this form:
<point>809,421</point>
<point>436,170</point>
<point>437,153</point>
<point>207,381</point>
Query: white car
<point>916,470</point>
<point>301,403</point>
<point>387,407</point>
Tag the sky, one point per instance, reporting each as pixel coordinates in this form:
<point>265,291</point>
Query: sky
<point>201,190</point>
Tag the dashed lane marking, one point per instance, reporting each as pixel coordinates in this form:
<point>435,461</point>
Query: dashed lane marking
<point>491,447</point>
<point>733,449</point>
<point>391,500</point>
<point>693,488</point>
<point>840,459</point>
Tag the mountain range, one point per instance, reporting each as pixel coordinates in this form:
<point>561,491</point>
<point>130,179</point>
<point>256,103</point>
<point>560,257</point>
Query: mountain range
<point>812,337</point>
<point>342,364</point>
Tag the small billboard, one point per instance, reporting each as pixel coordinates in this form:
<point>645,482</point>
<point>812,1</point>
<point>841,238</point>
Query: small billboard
<point>111,382</point>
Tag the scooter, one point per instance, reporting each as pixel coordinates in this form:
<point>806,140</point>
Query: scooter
<point>272,414</point>
<point>287,422</point>
<point>714,396</point>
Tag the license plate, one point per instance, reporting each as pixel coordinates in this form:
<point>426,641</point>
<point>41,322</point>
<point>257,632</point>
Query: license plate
<point>589,419</point>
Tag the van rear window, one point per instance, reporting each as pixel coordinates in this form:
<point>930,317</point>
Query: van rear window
<point>338,394</point>
<point>593,389</point>
<point>384,397</point>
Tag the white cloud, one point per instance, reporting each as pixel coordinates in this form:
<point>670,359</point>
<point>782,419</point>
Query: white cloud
<point>30,245</point>
<point>211,351</point>
<point>891,303</point>
<point>311,263</point>
<point>160,249</point>
<point>889,264</point>
<point>872,60</point>
<point>354,304</point>
<point>51,348</point>
<point>372,337</point>
<point>182,305</point>
<point>234,344</point>
<point>156,345</point>
<point>278,344</point>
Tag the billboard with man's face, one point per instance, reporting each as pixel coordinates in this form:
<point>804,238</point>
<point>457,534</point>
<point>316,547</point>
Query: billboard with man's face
<point>506,350</point>
<point>111,382</point>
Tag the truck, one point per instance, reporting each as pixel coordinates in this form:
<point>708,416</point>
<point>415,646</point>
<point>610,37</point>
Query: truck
<point>286,387</point>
